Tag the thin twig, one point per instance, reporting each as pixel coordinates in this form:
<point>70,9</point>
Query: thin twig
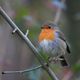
<point>31,46</point>
<point>58,13</point>
<point>22,71</point>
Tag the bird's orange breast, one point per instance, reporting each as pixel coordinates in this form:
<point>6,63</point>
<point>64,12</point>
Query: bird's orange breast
<point>47,34</point>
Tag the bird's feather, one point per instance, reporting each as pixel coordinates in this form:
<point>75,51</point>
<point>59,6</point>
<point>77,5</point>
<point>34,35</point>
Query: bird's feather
<point>61,36</point>
<point>63,61</point>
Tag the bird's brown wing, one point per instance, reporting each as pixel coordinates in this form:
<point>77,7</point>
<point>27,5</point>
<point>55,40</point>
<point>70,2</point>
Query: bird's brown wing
<point>61,36</point>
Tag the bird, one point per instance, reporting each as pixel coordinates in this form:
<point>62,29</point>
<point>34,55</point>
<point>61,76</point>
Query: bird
<point>53,43</point>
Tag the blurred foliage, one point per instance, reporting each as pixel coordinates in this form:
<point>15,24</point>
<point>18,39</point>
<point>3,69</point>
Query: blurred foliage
<point>22,11</point>
<point>76,68</point>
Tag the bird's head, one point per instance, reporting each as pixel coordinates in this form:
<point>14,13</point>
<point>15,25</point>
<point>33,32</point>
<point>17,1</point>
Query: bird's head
<point>50,25</point>
<point>48,31</point>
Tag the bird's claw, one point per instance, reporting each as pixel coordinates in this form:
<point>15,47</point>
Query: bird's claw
<point>55,59</point>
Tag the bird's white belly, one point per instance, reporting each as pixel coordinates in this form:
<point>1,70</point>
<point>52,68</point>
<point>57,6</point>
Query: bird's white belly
<point>53,48</point>
<point>46,45</point>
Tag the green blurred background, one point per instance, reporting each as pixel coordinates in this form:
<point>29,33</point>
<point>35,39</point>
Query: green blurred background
<point>31,14</point>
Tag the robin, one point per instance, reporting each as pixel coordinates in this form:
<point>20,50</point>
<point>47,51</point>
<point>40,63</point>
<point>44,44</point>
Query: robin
<point>53,43</point>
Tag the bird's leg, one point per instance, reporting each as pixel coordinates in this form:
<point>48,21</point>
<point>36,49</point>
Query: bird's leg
<point>54,59</point>
<point>48,61</point>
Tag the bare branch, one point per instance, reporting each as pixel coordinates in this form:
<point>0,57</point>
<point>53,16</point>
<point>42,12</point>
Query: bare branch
<point>22,71</point>
<point>28,42</point>
<point>58,13</point>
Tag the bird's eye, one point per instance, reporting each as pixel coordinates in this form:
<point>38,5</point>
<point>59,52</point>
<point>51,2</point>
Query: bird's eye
<point>45,27</point>
<point>49,27</point>
<point>42,27</point>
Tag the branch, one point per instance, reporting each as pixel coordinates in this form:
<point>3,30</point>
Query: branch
<point>22,71</point>
<point>28,42</point>
<point>58,13</point>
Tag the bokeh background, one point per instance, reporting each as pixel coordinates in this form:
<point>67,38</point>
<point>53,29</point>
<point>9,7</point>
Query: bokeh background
<point>31,14</point>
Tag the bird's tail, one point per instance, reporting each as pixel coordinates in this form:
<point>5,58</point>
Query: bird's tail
<point>63,61</point>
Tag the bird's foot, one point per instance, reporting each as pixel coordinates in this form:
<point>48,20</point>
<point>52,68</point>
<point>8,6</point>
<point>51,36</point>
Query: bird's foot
<point>54,59</point>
